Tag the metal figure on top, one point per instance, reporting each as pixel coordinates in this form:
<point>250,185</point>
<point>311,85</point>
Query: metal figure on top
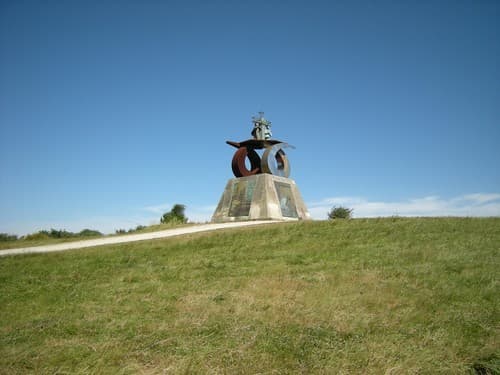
<point>261,127</point>
<point>273,161</point>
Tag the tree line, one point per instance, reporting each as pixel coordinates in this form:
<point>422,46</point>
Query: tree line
<point>174,216</point>
<point>52,233</point>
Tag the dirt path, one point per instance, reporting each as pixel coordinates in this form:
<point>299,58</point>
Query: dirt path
<point>129,238</point>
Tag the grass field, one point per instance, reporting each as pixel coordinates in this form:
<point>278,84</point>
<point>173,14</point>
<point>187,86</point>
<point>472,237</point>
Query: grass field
<point>381,296</point>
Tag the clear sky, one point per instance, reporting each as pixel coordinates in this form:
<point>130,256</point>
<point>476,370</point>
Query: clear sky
<point>112,111</point>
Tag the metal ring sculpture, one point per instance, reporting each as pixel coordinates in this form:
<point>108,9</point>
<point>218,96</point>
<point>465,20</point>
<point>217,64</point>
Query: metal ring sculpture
<point>239,166</point>
<point>274,160</point>
<point>280,165</point>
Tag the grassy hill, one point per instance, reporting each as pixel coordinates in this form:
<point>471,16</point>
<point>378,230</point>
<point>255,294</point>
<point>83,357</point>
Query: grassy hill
<point>362,296</point>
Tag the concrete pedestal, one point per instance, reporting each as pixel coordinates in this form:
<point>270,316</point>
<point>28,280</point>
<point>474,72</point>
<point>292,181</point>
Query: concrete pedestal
<point>260,197</point>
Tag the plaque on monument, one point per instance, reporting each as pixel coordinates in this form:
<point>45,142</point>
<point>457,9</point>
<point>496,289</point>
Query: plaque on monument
<point>261,188</point>
<point>241,198</point>
<point>285,197</point>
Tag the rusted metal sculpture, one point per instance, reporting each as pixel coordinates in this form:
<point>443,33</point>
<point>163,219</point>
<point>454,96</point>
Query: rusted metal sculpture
<point>261,189</point>
<point>273,161</point>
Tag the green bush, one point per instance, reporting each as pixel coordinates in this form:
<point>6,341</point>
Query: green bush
<point>131,230</point>
<point>61,233</point>
<point>41,235</point>
<point>340,213</point>
<point>4,237</point>
<point>89,233</point>
<point>175,215</point>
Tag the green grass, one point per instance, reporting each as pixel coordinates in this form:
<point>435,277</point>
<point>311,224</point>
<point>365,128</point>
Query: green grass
<point>23,242</point>
<point>381,296</point>
<point>162,226</point>
<point>42,241</point>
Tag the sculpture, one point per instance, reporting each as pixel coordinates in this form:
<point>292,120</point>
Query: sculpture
<point>274,160</point>
<point>261,189</point>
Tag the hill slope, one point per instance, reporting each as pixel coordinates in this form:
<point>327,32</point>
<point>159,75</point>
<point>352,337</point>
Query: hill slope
<point>361,296</point>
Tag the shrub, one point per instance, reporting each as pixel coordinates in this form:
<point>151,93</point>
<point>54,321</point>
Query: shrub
<point>340,213</point>
<point>41,235</point>
<point>89,233</point>
<point>131,230</point>
<point>53,233</point>
<point>61,233</point>
<point>175,215</point>
<point>4,237</point>
<point>137,228</point>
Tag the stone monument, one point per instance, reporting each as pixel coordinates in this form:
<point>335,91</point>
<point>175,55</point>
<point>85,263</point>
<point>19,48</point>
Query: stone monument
<point>263,191</point>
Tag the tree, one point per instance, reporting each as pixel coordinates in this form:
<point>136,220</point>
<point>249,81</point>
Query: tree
<point>340,213</point>
<point>175,215</point>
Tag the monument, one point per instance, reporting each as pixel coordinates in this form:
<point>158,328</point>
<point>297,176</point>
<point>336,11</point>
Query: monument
<point>263,191</point>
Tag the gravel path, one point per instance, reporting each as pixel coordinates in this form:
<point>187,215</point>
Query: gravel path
<point>130,238</point>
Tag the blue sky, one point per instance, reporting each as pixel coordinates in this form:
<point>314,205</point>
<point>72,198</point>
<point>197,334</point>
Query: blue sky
<point>112,111</point>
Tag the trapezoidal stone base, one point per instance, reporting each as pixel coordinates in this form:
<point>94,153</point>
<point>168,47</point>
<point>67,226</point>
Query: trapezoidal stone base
<point>260,197</point>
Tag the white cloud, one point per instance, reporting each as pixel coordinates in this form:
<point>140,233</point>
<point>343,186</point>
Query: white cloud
<point>479,204</point>
<point>480,198</point>
<point>200,214</point>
